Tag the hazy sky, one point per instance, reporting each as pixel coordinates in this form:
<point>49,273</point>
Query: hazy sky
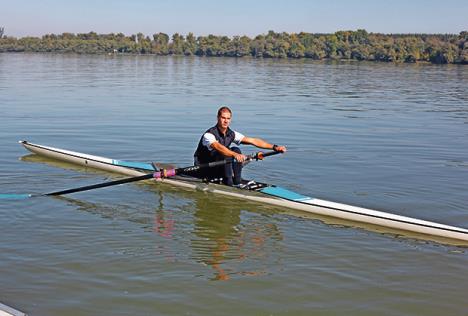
<point>239,17</point>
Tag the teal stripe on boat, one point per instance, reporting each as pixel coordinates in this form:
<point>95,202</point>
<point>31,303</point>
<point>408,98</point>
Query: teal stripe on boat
<point>284,193</point>
<point>15,196</point>
<point>133,164</point>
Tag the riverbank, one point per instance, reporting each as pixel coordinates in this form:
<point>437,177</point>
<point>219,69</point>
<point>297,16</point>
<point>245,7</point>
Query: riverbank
<point>343,45</point>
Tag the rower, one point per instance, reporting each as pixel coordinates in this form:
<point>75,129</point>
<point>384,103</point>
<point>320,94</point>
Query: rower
<point>214,145</point>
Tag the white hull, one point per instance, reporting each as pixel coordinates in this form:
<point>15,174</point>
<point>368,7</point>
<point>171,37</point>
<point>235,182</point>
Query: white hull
<point>417,228</point>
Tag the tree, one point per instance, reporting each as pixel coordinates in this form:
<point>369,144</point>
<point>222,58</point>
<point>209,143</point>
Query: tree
<point>359,37</point>
<point>296,49</point>
<point>160,44</point>
<point>463,58</point>
<point>177,45</point>
<point>144,44</point>
<point>139,37</point>
<point>85,36</point>
<point>190,45</point>
<point>2,30</point>
<point>239,46</point>
<point>257,46</point>
<point>331,46</point>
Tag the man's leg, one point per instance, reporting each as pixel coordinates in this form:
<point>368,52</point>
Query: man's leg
<point>208,173</point>
<point>233,171</point>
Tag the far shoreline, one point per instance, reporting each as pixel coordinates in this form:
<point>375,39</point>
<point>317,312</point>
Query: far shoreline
<point>356,45</point>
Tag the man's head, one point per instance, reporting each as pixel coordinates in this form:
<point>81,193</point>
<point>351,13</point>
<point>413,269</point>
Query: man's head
<point>224,117</point>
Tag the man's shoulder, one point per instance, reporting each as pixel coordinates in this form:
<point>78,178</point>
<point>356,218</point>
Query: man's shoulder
<point>208,135</point>
<point>211,130</point>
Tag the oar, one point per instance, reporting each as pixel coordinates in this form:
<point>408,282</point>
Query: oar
<point>163,173</point>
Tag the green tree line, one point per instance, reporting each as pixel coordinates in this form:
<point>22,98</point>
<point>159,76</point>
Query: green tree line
<point>342,45</point>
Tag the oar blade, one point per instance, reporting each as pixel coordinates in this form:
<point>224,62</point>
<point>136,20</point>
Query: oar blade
<point>5,196</point>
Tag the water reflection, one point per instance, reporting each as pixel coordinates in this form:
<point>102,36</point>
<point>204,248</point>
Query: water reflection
<point>218,236</point>
<point>163,220</point>
<point>228,239</point>
<point>231,241</point>
<point>164,223</point>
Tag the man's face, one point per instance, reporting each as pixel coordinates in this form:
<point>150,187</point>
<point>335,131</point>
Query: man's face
<point>224,119</point>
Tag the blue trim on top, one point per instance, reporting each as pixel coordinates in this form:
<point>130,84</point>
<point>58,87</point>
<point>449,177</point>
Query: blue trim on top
<point>15,196</point>
<point>133,164</point>
<point>284,193</point>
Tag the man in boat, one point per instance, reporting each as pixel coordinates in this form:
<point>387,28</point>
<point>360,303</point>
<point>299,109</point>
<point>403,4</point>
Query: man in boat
<point>215,144</point>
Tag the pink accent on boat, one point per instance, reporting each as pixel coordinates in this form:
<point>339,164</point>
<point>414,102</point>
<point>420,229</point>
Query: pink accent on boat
<point>164,174</point>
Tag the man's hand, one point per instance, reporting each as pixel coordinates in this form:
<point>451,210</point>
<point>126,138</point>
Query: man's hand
<point>239,157</point>
<point>281,149</point>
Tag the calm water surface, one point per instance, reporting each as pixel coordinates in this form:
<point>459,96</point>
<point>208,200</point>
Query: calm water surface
<point>383,136</point>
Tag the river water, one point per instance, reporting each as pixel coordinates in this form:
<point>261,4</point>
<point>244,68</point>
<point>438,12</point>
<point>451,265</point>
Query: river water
<point>384,136</point>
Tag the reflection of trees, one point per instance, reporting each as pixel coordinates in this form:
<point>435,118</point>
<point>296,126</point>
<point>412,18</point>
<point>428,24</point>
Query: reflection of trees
<point>222,239</point>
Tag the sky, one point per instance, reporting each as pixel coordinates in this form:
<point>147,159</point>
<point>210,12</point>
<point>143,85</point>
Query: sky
<point>240,17</point>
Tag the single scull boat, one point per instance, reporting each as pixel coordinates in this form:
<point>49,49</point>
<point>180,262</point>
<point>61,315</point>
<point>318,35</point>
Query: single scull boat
<point>267,194</point>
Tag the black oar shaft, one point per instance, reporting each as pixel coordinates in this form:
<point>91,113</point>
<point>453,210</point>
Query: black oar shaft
<point>203,166</point>
<point>268,153</point>
<point>102,185</point>
<point>257,156</point>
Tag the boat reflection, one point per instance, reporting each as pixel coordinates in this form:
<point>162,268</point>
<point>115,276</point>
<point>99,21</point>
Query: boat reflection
<point>228,235</point>
<point>229,240</point>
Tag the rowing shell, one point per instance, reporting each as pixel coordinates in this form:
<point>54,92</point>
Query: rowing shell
<point>268,194</point>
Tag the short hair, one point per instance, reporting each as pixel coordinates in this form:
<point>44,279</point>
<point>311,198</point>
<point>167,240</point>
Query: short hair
<point>224,109</point>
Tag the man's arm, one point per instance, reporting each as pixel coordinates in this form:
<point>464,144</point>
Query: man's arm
<point>260,143</point>
<point>226,152</point>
